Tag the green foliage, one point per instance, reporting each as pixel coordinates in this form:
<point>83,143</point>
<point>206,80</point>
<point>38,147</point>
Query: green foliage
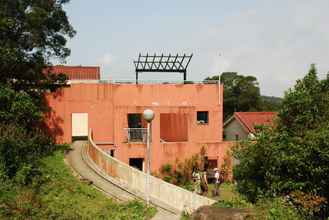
<point>59,195</point>
<point>294,156</point>
<point>275,209</point>
<point>270,103</point>
<point>241,93</point>
<point>233,203</point>
<point>166,168</point>
<point>17,108</point>
<point>181,173</point>
<point>31,34</point>
<point>305,107</point>
<point>306,203</point>
<point>21,143</point>
<point>230,197</point>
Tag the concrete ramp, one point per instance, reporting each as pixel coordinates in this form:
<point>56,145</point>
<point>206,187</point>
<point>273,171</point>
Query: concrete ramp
<point>162,194</point>
<point>125,183</point>
<point>75,159</point>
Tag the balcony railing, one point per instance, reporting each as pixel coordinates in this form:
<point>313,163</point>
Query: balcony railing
<point>136,134</point>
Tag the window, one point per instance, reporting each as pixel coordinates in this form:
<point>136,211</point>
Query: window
<point>112,153</point>
<point>202,117</point>
<point>136,131</point>
<point>138,163</point>
<point>134,120</point>
<point>237,137</point>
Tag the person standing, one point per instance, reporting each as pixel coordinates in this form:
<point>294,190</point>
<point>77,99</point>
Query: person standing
<point>204,183</point>
<point>217,182</point>
<point>197,181</point>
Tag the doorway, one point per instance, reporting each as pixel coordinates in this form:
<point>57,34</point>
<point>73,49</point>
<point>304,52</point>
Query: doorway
<point>138,163</point>
<point>79,126</point>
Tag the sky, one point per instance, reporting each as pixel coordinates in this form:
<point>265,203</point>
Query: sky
<point>274,40</point>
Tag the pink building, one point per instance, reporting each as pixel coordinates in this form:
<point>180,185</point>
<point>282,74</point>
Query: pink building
<point>187,117</point>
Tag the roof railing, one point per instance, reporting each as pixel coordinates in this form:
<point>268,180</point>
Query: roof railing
<point>145,81</point>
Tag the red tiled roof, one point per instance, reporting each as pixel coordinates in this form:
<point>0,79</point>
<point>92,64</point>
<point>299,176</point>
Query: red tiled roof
<point>78,72</point>
<point>251,119</point>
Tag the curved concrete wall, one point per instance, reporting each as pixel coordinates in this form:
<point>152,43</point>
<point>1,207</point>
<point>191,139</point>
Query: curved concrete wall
<point>163,194</point>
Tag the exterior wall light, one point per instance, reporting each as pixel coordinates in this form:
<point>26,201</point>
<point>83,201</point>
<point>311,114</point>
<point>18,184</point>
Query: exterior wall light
<point>148,115</point>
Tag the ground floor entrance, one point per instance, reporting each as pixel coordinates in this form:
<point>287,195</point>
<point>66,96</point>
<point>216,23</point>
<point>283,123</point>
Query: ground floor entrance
<point>138,163</point>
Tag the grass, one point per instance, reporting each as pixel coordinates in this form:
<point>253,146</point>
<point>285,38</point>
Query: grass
<point>268,209</point>
<point>62,196</point>
<point>229,197</point>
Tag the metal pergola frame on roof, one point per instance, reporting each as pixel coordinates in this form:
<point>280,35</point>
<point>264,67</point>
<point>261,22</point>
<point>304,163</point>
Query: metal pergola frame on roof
<point>162,63</point>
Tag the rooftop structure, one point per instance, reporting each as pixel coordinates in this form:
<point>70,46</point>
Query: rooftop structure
<point>162,63</point>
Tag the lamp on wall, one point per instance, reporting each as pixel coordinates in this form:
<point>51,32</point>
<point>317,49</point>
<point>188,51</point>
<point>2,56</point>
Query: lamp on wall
<point>148,115</point>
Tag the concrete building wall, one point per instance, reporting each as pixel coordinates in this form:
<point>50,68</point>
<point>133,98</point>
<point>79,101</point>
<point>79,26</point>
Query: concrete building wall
<point>108,104</point>
<point>234,128</point>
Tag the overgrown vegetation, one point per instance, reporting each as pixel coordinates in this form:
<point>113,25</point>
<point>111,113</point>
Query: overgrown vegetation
<point>59,195</point>
<point>291,160</point>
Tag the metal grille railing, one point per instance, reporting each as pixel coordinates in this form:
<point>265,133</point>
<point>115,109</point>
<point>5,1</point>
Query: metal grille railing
<point>136,134</point>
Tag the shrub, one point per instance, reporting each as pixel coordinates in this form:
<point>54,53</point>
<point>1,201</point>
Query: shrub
<point>21,150</point>
<point>307,204</point>
<point>181,173</point>
<point>22,144</point>
<point>166,169</point>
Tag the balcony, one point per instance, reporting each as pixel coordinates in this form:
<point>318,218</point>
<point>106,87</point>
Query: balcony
<point>136,134</point>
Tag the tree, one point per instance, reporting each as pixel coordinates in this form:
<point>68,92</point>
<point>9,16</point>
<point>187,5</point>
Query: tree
<point>22,143</point>
<point>31,34</point>
<point>292,158</point>
<point>241,93</point>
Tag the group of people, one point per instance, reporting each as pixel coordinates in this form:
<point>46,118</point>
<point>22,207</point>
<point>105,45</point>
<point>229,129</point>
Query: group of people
<point>200,181</point>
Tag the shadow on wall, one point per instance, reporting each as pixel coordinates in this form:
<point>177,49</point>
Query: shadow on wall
<point>173,127</point>
<point>52,123</point>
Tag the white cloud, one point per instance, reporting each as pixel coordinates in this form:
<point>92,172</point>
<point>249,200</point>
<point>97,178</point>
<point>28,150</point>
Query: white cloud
<point>277,41</point>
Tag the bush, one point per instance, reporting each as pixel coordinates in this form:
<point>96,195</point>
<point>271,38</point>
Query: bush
<point>20,151</point>
<point>181,173</point>
<point>307,204</point>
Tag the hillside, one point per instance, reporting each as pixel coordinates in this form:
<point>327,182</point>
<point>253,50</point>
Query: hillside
<point>62,196</point>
